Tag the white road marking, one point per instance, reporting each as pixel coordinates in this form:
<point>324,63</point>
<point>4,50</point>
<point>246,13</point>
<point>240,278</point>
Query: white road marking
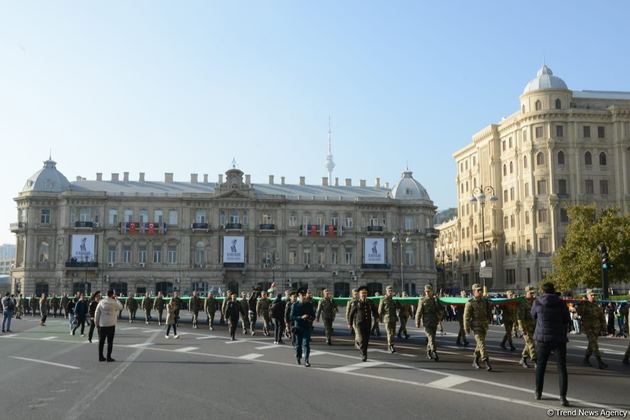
<point>48,338</point>
<point>7,335</point>
<point>207,337</point>
<point>318,353</point>
<point>46,363</point>
<point>271,346</point>
<point>58,391</point>
<point>130,328</point>
<point>609,351</point>
<point>449,382</point>
<point>136,346</point>
<point>350,368</point>
<point>251,356</point>
<point>186,349</point>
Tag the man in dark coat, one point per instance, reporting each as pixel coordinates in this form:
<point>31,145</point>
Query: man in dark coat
<point>552,323</point>
<point>231,312</point>
<point>302,316</point>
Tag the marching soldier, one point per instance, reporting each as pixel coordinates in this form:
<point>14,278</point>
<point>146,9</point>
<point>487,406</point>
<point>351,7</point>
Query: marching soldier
<point>327,309</point>
<point>34,303</point>
<point>132,306</point>
<point>179,304</point>
<point>64,305</point>
<point>287,314</point>
<point>361,317</point>
<point>387,310</point>
<point>54,304</point>
<point>349,307</point>
<point>593,323</point>
<point>158,305</point>
<point>527,325</point>
<point>147,305</point>
<point>194,306</point>
<point>509,314</point>
<point>231,311</point>
<point>459,315</point>
<point>477,316</point>
<point>429,313</point>
<point>19,307</point>
<point>244,305</point>
<point>262,310</point>
<point>210,307</point>
<point>252,303</point>
<point>404,312</point>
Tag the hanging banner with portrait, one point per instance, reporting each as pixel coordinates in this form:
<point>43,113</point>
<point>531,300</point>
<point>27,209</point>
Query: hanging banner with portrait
<point>374,251</point>
<point>83,248</point>
<point>234,249</point>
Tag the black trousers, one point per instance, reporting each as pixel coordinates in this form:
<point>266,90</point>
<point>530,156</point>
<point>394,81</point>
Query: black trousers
<point>168,329</point>
<point>278,329</point>
<point>106,333</point>
<point>91,332</point>
<point>542,356</point>
<point>160,312</point>
<point>232,323</point>
<point>80,321</point>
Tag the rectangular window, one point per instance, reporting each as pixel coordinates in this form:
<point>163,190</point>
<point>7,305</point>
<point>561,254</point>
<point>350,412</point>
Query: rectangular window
<point>348,255</point>
<point>111,255</point>
<point>267,219</point>
<point>126,255</point>
<point>320,220</point>
<point>538,132</point>
<point>409,225</point>
<point>512,221</point>
<point>564,216</point>
<point>542,187</point>
<point>172,255</point>
<point>526,189</point>
<point>45,216</point>
<point>292,257</point>
<point>349,221</point>
<point>601,132</point>
<point>322,256</point>
<point>562,187</point>
<point>542,216</point>
<point>603,186</point>
<point>334,221</point>
<point>293,220</point>
<point>222,218</point>
<point>245,218</point>
<point>505,196</point>
<point>586,131</point>
<point>588,186</point>
<point>528,246</point>
<point>144,216</point>
<point>85,214</point>
<point>529,275</point>
<point>142,255</point>
<point>505,222</point>
<point>200,216</point>
<point>158,216</point>
<point>333,256</point>
<point>172,217</point>
<point>234,217</point>
<point>512,193</point>
<point>543,245</point>
<point>128,215</point>
<point>409,257</point>
<point>559,131</point>
<point>307,256</point>
<point>157,255</point>
<point>112,217</point>
<point>526,217</point>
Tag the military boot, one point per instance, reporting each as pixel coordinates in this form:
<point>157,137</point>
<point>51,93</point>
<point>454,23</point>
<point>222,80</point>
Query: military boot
<point>503,344</point>
<point>600,363</point>
<point>487,361</point>
<point>435,356</point>
<point>586,361</point>
<point>523,362</point>
<point>429,354</point>
<point>512,348</point>
<point>475,363</point>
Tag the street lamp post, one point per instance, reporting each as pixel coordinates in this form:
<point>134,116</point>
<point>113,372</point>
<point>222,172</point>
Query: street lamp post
<point>401,238</point>
<point>479,195</point>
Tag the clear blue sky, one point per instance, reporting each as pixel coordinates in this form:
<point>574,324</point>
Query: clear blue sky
<point>163,86</point>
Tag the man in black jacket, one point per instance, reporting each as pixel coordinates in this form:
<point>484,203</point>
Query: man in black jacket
<point>552,324</point>
<point>80,313</point>
<point>302,316</point>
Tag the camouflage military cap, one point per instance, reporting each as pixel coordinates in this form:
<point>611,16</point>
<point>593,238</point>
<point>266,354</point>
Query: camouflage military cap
<point>326,291</point>
<point>362,288</point>
<point>428,288</point>
<point>529,289</point>
<point>477,286</point>
<point>389,288</point>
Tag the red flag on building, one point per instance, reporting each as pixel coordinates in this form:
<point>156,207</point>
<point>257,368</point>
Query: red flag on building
<point>151,228</point>
<point>331,230</point>
<point>132,228</point>
<point>313,230</point>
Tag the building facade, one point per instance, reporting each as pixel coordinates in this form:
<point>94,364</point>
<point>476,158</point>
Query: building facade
<point>145,236</point>
<point>517,178</point>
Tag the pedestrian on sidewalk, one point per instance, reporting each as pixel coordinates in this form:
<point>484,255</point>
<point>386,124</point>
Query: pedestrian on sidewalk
<point>70,311</point>
<point>96,297</point>
<point>8,307</point>
<point>552,324</point>
<point>231,311</point>
<point>171,318</point>
<point>302,316</point>
<point>43,309</point>
<point>106,317</point>
<point>277,313</point>
<point>80,314</point>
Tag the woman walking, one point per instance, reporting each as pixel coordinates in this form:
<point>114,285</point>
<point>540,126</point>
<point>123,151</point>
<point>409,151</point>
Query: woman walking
<point>96,296</point>
<point>171,315</point>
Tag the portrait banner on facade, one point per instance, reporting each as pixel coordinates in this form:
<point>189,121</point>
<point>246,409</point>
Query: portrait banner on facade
<point>83,248</point>
<point>234,249</point>
<point>374,251</point>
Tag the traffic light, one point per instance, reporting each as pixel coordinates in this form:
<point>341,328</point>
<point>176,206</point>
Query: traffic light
<point>603,252</point>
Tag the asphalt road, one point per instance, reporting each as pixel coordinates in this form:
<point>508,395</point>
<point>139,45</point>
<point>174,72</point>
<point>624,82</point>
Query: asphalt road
<point>45,373</point>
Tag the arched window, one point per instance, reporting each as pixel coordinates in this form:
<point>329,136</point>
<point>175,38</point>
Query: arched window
<point>43,252</point>
<point>538,105</point>
<point>525,162</point>
<point>511,167</point>
<point>540,158</point>
<point>588,159</point>
<point>558,104</point>
<point>504,170</point>
<point>602,159</point>
<point>560,157</point>
<point>200,254</point>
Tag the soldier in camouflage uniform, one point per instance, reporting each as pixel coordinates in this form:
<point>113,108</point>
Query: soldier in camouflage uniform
<point>376,329</point>
<point>387,309</point>
<point>360,316</point>
<point>194,306</point>
<point>262,310</point>
<point>19,307</point>
<point>244,305</point>
<point>147,306</point>
<point>509,314</point>
<point>158,305</point>
<point>349,307</point>
<point>429,314</point>
<point>527,325</point>
<point>327,309</point>
<point>404,312</point>
<point>287,315</point>
<point>34,304</point>
<point>593,323</point>
<point>477,316</point>
<point>64,304</point>
<point>54,304</point>
<point>210,307</point>
<point>132,306</point>
<point>459,316</point>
